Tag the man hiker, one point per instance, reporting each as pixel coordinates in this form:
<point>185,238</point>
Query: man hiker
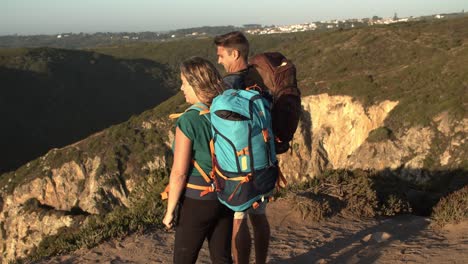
<point>232,52</point>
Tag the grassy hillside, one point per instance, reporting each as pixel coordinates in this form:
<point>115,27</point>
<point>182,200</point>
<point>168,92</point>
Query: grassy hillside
<point>422,64</point>
<point>124,150</point>
<point>419,64</point>
<point>52,97</point>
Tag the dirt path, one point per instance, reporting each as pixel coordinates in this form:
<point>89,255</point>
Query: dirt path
<point>403,239</point>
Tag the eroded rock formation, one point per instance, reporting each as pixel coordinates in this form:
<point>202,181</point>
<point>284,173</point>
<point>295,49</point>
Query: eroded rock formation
<point>333,134</point>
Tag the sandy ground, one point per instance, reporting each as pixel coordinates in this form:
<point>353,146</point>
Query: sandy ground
<point>402,239</point>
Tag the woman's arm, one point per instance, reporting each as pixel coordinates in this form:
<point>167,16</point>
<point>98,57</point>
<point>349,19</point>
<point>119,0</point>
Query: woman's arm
<point>178,178</point>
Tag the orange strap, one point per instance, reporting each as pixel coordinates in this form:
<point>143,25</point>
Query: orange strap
<point>165,193</point>
<point>254,87</point>
<point>205,189</point>
<point>244,180</point>
<point>200,170</point>
<point>205,111</point>
<point>197,187</point>
<point>244,151</point>
<point>256,204</point>
<point>175,116</point>
<point>266,136</point>
<point>220,174</point>
<point>212,147</point>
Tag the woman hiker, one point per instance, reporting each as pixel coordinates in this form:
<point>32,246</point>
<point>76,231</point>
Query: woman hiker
<point>201,215</point>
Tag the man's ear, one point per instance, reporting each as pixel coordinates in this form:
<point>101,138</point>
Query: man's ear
<point>235,54</point>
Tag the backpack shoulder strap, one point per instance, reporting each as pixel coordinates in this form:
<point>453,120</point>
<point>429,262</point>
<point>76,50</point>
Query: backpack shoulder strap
<point>200,107</point>
<point>205,111</point>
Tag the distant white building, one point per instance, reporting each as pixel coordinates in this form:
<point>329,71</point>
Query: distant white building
<point>59,36</point>
<point>331,24</point>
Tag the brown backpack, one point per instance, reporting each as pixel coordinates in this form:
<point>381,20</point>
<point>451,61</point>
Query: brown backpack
<point>278,75</point>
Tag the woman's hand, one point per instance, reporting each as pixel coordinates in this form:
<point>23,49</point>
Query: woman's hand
<point>167,220</point>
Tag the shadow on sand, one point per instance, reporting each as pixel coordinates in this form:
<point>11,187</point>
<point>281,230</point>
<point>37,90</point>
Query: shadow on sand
<point>354,248</point>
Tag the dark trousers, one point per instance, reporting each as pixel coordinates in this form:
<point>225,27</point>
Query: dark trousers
<point>200,220</point>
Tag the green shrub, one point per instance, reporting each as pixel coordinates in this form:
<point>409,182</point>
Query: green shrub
<point>350,193</point>
<point>310,206</point>
<point>379,134</point>
<point>394,205</point>
<point>451,209</point>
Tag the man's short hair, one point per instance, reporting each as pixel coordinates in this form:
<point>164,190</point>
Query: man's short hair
<point>234,40</point>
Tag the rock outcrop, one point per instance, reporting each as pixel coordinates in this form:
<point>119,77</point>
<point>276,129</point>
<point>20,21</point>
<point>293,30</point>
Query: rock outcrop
<point>58,200</point>
<point>332,128</point>
<point>333,134</point>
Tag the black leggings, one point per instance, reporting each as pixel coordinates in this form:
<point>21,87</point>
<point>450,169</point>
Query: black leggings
<point>200,219</point>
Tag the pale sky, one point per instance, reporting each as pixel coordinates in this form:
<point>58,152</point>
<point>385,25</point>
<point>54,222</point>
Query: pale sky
<point>26,17</point>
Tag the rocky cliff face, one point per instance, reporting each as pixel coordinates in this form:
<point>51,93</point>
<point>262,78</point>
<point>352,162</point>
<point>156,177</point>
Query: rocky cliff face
<point>63,199</point>
<point>333,134</point>
<point>332,128</point>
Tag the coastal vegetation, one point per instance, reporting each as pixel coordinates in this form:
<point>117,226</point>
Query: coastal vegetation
<point>422,65</point>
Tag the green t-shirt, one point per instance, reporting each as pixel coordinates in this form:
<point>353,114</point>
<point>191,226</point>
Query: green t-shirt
<point>197,128</point>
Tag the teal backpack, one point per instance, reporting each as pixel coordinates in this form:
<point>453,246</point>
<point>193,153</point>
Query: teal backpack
<point>245,168</point>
